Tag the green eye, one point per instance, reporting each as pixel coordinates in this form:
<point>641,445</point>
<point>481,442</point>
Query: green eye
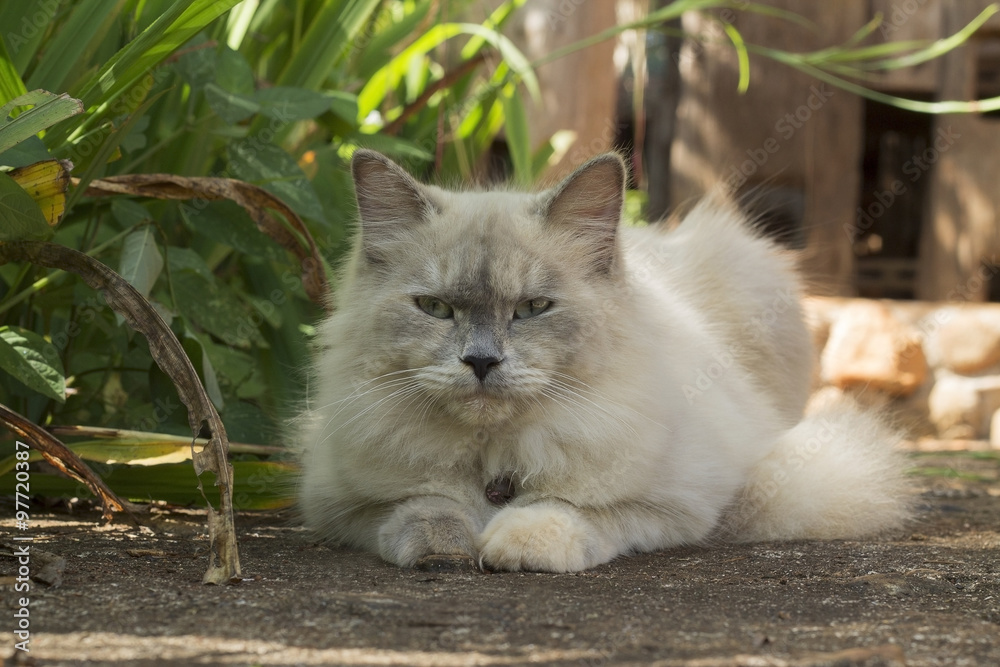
<point>435,307</point>
<point>530,308</point>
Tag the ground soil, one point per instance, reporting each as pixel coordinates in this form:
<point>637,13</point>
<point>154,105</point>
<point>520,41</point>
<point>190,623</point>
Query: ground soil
<point>131,595</point>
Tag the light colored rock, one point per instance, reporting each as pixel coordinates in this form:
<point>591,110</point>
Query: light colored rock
<point>995,430</point>
<point>963,407</point>
<point>968,341</point>
<point>869,348</point>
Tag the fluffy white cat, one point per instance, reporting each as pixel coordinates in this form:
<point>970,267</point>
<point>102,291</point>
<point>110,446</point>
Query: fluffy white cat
<point>519,379</point>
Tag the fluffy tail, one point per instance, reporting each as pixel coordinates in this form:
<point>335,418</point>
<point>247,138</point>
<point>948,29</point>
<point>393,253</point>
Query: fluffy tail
<point>833,476</point>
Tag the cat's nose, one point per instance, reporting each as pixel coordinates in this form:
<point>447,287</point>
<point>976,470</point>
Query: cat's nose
<point>481,365</point>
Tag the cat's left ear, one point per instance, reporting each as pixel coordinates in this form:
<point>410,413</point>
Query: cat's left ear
<point>588,204</point>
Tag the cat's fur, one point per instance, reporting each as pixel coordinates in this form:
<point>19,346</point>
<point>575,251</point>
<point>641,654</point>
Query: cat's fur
<point>656,402</point>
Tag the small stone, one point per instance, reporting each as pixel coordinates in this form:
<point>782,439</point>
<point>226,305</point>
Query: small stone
<point>963,407</point>
<point>995,429</point>
<point>869,348</point>
<point>969,341</point>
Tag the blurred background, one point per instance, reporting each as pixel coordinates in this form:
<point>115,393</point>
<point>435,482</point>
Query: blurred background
<point>887,201</point>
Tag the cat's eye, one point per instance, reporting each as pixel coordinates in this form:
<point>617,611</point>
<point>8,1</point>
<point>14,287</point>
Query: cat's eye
<point>435,307</point>
<point>530,308</point>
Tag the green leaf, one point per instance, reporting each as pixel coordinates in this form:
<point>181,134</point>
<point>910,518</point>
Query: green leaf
<point>215,308</point>
<point>257,485</point>
<point>277,172</point>
<point>235,368</point>
<point>29,151</point>
<point>129,213</point>
<point>107,144</point>
<point>141,261</point>
<point>289,104</point>
<point>518,137</point>
<point>47,110</point>
<point>11,85</point>
<point>327,38</point>
<point>233,73</point>
<point>197,66</point>
<point>376,50</point>
<point>229,224</point>
<point>185,259</point>
<point>181,21</point>
<point>231,107</point>
<point>345,106</point>
<point>387,79</point>
<point>390,145</point>
<point>24,26</point>
<point>540,160</point>
<point>742,58</point>
<point>203,365</point>
<point>32,360</point>
<point>246,422</point>
<point>20,217</point>
<point>77,39</point>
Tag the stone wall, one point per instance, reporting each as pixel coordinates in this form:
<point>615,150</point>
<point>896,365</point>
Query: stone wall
<point>934,365</point>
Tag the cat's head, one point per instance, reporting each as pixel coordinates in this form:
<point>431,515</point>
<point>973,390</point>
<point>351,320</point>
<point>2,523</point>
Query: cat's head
<point>489,304</point>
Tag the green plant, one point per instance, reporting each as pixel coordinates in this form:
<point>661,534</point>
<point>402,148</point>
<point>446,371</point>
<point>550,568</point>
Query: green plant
<point>272,94</point>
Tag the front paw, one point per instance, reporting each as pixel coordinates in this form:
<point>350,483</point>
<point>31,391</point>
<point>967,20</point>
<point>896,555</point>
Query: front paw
<point>428,526</point>
<point>542,538</point>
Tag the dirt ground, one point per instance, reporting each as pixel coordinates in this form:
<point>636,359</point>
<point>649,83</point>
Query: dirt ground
<point>132,595</point>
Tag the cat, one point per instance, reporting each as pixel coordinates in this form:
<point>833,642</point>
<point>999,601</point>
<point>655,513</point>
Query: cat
<point>522,380</point>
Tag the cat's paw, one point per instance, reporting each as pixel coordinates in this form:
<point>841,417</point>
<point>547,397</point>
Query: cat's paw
<point>428,526</point>
<point>542,538</point>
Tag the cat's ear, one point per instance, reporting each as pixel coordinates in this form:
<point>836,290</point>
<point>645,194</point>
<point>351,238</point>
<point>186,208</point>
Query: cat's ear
<point>588,205</point>
<point>390,201</point>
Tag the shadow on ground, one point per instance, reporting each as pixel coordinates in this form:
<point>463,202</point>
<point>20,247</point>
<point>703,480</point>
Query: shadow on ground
<point>132,596</point>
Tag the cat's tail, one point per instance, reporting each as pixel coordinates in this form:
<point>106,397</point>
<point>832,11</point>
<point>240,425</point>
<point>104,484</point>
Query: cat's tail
<point>836,475</point>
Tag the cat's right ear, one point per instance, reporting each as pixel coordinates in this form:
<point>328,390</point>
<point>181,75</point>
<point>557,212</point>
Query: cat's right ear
<point>588,204</point>
<point>390,201</point>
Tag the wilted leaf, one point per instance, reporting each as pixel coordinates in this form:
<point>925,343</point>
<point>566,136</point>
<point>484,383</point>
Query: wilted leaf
<point>224,562</point>
<point>22,219</point>
<point>63,459</point>
<point>292,235</point>
<point>46,183</point>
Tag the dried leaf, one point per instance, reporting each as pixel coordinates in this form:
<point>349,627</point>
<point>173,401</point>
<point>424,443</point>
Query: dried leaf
<point>294,236</point>
<point>224,562</point>
<point>60,456</point>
